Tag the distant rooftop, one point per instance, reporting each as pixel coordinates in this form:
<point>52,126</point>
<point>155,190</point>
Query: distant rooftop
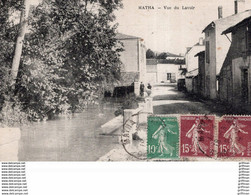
<point>151,62</point>
<point>197,44</point>
<point>165,61</point>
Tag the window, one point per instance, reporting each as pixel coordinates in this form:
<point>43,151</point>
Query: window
<point>207,52</point>
<point>242,45</point>
<point>244,85</point>
<point>169,76</point>
<point>249,38</point>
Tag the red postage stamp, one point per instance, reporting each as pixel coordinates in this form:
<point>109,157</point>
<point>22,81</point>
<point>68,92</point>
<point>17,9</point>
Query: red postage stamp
<point>234,136</point>
<point>197,136</point>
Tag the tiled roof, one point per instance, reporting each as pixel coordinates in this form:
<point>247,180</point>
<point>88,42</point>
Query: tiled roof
<point>197,44</point>
<point>230,20</point>
<point>164,61</point>
<point>230,29</point>
<point>151,61</point>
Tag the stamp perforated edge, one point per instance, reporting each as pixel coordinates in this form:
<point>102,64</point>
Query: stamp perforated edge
<point>238,159</point>
<point>178,151</point>
<point>201,158</point>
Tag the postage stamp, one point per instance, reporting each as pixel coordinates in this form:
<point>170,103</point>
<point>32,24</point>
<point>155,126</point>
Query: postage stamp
<point>197,136</point>
<point>234,137</point>
<point>162,137</point>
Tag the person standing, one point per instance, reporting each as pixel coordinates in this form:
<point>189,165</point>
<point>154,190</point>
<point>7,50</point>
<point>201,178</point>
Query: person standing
<point>149,86</point>
<point>149,89</point>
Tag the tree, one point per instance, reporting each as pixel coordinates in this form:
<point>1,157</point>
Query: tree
<point>150,54</point>
<point>162,55</point>
<point>8,33</point>
<point>70,56</point>
<point>20,40</point>
<point>10,108</point>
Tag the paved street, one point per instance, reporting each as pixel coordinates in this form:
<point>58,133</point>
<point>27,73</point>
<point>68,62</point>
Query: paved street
<point>168,100</point>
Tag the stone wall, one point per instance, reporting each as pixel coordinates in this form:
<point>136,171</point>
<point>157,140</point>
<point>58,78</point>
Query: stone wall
<point>127,78</point>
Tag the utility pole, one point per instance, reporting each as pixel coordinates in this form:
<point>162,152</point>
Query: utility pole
<point>20,40</point>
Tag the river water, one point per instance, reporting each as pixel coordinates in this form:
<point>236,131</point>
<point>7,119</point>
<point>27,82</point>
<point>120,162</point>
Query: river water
<point>64,139</point>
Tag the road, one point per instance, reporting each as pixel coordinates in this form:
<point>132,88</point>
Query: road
<point>168,100</point>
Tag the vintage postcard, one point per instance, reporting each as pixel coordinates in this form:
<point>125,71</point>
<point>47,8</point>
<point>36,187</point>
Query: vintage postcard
<point>125,80</point>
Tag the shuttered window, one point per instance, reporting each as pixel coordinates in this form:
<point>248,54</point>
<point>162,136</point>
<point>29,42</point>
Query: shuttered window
<point>249,38</point>
<point>241,45</point>
<point>207,52</point>
<point>169,76</point>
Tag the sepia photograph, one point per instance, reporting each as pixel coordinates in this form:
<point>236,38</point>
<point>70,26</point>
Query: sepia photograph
<point>94,80</point>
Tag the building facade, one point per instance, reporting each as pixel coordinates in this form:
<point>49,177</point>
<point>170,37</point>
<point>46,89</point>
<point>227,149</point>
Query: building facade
<point>201,74</point>
<point>133,59</point>
<point>161,71</point>
<point>151,71</point>
<point>191,61</point>
<point>235,75</point>
<point>217,47</point>
<point>192,66</point>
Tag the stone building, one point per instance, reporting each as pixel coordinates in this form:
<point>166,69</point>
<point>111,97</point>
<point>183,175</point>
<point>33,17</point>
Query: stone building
<point>133,59</point>
<point>217,47</point>
<point>191,61</point>
<point>192,66</point>
<point>235,75</point>
<point>151,71</point>
<point>162,71</point>
<point>201,74</point>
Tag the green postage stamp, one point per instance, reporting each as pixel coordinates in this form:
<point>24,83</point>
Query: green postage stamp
<point>162,137</point>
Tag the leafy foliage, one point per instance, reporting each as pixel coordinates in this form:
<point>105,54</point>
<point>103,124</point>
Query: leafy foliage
<point>70,56</point>
<point>150,54</point>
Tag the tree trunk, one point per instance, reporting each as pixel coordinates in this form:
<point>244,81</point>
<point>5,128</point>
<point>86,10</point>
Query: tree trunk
<point>20,39</point>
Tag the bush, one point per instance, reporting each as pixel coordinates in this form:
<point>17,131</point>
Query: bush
<point>12,115</point>
<point>130,102</point>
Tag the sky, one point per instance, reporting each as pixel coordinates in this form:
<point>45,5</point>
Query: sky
<point>171,30</point>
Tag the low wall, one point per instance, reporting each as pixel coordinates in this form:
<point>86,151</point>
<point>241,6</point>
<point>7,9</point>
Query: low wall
<point>9,138</point>
<point>134,118</point>
<point>189,85</point>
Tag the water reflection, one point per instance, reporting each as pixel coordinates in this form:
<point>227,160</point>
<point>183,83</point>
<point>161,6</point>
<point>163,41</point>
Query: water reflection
<point>76,139</point>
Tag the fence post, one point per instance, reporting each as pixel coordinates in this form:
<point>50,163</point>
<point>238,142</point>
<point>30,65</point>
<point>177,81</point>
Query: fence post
<point>129,126</point>
<point>136,88</point>
<point>149,105</point>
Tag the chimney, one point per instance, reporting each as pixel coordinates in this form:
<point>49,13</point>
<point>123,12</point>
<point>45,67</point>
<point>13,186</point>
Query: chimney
<point>201,41</point>
<point>220,12</point>
<point>235,7</point>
